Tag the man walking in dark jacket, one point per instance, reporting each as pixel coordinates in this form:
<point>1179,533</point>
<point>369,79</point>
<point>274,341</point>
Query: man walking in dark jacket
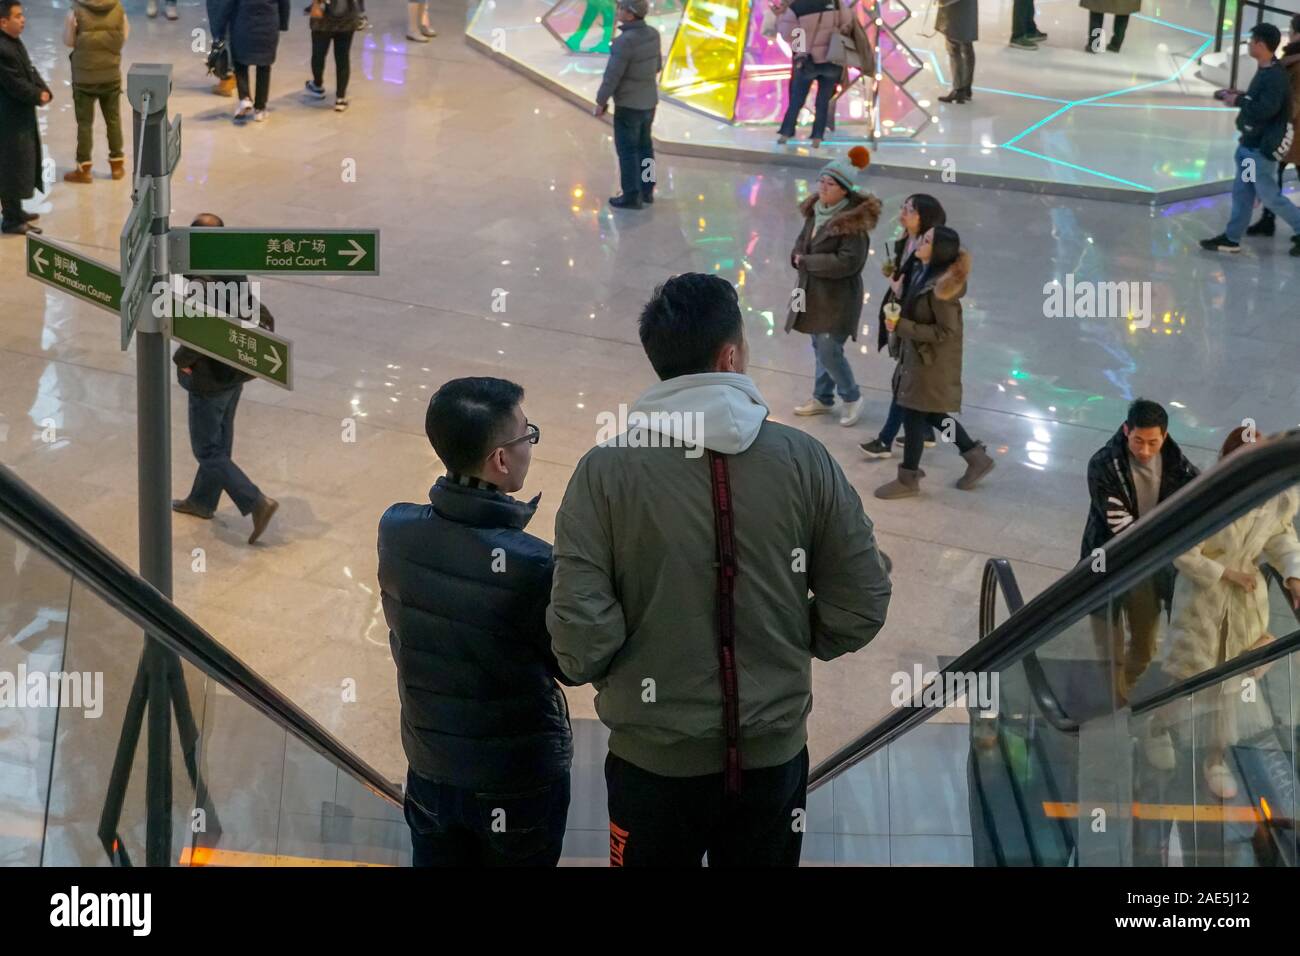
<point>465,589</point>
<point>1264,120</point>
<point>21,91</point>
<point>214,389</point>
<point>630,78</point>
<point>1137,469</point>
<point>685,553</point>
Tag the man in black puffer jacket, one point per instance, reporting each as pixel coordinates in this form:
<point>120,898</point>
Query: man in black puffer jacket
<point>465,590</point>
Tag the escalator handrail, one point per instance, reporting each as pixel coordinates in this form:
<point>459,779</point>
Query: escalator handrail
<point>998,576</point>
<point>1233,486</point>
<point>46,529</point>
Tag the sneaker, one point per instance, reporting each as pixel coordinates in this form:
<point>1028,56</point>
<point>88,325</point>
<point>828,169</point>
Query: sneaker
<point>1220,243</point>
<point>245,111</point>
<point>1266,226</point>
<point>259,116</point>
<point>1037,35</point>
<point>170,12</point>
<point>1024,43</point>
<point>902,440</point>
<point>850,412</point>
<point>340,104</point>
<point>813,407</point>
<point>20,228</point>
<point>315,89</point>
<point>151,8</point>
<point>875,449</point>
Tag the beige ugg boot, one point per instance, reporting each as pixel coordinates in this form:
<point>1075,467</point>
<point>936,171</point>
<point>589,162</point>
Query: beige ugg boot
<point>79,175</point>
<point>118,166</point>
<point>906,485</point>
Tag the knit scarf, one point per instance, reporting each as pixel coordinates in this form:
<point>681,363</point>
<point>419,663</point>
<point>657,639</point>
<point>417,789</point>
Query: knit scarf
<point>822,214</point>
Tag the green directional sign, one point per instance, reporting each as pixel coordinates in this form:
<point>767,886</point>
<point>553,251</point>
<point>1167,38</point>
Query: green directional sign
<point>304,251</point>
<point>71,272</point>
<point>134,240</point>
<point>249,348</point>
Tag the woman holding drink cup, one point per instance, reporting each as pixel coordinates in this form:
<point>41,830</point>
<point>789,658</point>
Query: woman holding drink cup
<point>919,214</point>
<point>927,381</point>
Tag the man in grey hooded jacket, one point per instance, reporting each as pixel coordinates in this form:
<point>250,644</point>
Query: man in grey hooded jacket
<point>630,78</point>
<point>682,591</point>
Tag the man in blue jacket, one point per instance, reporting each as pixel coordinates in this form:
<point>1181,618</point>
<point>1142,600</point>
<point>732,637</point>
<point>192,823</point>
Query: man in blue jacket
<point>1266,133</point>
<point>465,590</point>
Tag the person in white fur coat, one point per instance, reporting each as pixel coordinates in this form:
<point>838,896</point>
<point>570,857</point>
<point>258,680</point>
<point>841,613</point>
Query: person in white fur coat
<point>1220,611</point>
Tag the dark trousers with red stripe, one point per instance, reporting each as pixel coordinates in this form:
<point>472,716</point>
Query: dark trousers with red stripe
<point>677,821</point>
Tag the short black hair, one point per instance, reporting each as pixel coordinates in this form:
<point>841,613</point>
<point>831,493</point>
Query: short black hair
<point>945,248</point>
<point>7,8</point>
<point>687,322</point>
<point>1144,413</point>
<point>468,417</point>
<point>1267,34</point>
<point>204,220</point>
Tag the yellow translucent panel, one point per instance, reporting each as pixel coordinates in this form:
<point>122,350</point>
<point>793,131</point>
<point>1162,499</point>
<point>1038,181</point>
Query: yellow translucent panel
<point>704,61</point>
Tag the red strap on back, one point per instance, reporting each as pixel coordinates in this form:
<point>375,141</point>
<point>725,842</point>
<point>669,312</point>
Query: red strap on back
<point>724,525</point>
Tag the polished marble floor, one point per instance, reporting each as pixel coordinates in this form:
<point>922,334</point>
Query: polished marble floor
<point>480,181</point>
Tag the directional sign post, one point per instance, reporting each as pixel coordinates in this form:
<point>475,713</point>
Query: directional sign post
<point>250,348</point>
<point>278,251</point>
<point>135,247</point>
<point>74,273</point>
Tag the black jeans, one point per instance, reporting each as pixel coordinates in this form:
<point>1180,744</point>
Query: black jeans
<point>320,43</point>
<point>675,821</point>
<point>1022,19</point>
<point>802,77</point>
<point>914,437</point>
<point>961,55</point>
<point>212,439</point>
<point>11,210</point>
<point>634,146</point>
<point>1096,23</point>
<point>263,84</point>
<point>451,826</point>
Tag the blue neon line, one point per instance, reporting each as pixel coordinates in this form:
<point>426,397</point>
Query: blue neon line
<point>1172,26</point>
<point>1082,169</point>
<point>1042,122</point>
<point>1027,96</point>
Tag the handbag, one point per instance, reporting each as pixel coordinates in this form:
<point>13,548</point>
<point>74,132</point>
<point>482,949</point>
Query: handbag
<point>218,62</point>
<point>837,52</point>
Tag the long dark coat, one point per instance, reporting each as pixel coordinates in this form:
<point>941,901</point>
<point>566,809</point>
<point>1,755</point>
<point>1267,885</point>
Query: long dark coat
<point>255,27</point>
<point>1120,8</point>
<point>958,20</point>
<point>20,138</point>
<point>830,270</point>
<point>928,374</point>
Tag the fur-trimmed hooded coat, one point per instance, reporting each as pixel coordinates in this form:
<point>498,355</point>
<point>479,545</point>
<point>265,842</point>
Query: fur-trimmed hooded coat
<point>929,333</point>
<point>830,268</point>
<point>1214,621</point>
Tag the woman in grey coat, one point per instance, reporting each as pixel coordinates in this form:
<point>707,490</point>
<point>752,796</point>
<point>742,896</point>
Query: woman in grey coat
<point>1097,9</point>
<point>959,22</point>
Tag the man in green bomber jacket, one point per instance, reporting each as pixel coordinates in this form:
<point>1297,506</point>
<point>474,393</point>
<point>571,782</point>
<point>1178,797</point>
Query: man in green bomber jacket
<point>707,746</point>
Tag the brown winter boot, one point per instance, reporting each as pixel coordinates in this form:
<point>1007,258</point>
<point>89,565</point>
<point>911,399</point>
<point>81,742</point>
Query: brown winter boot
<point>225,87</point>
<point>118,166</point>
<point>906,485</point>
<point>978,464</point>
<point>79,175</point>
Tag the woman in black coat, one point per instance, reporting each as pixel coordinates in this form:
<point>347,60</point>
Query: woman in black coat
<point>921,212</point>
<point>255,27</point>
<point>21,91</point>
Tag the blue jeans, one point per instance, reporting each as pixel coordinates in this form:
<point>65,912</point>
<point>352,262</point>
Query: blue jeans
<point>633,144</point>
<point>452,826</point>
<point>1265,188</point>
<point>212,439</point>
<point>802,77</point>
<point>834,374</point>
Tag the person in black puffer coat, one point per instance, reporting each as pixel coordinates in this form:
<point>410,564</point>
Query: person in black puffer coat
<point>465,591</point>
<point>255,27</point>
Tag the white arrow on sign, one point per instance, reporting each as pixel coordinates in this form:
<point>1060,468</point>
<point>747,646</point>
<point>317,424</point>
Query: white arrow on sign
<point>357,252</point>
<point>275,358</point>
<point>38,260</point>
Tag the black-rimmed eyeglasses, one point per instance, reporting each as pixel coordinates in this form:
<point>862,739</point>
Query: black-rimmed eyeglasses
<point>532,436</point>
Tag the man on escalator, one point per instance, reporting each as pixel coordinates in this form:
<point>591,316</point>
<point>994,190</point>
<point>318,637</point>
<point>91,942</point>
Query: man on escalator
<point>1137,469</point>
